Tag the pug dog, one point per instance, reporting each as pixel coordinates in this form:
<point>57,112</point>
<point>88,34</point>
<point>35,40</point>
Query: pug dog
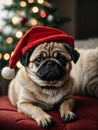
<point>44,83</point>
<point>85,73</point>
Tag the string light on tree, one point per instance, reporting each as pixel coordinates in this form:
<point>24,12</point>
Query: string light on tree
<point>23,4</point>
<point>33,22</point>
<point>15,20</point>
<point>12,53</point>
<point>9,40</point>
<point>35,9</point>
<point>10,2</point>
<point>1,55</point>
<point>6,56</point>
<point>19,34</point>
<point>30,1</point>
<point>40,1</point>
<point>19,65</point>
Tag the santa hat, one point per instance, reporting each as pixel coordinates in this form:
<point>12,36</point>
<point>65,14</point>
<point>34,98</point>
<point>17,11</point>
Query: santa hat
<point>33,37</point>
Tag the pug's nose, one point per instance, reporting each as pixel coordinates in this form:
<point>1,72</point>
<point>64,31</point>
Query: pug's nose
<point>50,63</point>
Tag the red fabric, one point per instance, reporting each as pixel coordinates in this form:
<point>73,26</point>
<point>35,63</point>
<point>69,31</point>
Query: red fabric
<point>35,36</point>
<point>86,109</point>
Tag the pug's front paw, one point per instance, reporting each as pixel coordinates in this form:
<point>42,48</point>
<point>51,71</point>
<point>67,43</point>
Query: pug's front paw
<point>45,121</point>
<point>68,117</point>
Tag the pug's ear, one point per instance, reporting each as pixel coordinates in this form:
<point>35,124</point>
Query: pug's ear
<point>25,58</point>
<point>74,53</point>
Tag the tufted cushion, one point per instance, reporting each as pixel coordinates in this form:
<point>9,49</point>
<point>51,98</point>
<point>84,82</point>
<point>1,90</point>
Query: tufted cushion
<point>86,109</point>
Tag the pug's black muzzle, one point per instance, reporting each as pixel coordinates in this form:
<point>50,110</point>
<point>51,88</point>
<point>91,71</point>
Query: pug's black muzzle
<point>50,71</point>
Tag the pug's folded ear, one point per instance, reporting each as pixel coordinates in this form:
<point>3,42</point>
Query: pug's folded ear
<point>74,53</point>
<point>25,58</point>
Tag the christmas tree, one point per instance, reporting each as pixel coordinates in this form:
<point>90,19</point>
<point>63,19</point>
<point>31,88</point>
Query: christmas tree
<point>22,14</point>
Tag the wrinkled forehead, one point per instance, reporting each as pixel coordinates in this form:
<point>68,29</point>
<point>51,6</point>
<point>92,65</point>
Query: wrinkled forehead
<point>50,46</point>
<point>50,49</point>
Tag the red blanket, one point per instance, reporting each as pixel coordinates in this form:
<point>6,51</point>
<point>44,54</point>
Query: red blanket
<point>86,110</point>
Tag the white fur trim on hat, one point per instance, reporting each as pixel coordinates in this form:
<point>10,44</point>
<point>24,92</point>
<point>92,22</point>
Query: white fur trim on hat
<point>8,73</point>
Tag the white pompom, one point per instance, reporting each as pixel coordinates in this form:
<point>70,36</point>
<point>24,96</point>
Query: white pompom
<point>8,73</point>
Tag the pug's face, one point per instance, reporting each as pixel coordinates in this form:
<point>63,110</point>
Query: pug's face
<point>49,64</point>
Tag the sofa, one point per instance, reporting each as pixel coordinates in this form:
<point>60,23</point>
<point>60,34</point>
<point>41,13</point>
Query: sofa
<point>86,109</point>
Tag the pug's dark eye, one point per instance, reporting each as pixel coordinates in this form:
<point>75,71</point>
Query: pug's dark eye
<point>62,59</point>
<point>38,60</point>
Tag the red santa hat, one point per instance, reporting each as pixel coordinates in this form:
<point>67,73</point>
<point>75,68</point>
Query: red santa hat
<point>33,37</point>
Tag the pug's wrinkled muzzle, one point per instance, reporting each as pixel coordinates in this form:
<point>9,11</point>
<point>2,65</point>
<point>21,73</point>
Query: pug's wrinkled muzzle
<point>51,71</point>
